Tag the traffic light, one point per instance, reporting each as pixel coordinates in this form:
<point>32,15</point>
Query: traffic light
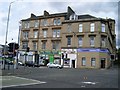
<point>16,46</point>
<point>27,50</point>
<point>10,47</point>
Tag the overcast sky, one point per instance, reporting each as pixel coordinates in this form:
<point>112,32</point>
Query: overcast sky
<point>22,9</point>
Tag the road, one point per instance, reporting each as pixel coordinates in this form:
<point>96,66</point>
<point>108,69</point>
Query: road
<point>67,77</point>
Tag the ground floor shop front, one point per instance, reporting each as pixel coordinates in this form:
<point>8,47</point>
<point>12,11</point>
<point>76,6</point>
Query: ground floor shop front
<point>86,58</point>
<point>71,58</point>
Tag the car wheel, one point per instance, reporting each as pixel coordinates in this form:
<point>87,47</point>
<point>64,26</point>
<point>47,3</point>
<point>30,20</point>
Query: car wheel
<point>58,67</point>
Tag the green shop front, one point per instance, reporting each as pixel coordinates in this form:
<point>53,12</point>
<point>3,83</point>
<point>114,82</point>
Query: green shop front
<point>49,56</point>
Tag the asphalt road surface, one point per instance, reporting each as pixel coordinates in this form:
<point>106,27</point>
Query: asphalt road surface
<point>66,77</point>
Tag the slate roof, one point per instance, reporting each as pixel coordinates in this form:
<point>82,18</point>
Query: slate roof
<point>87,16</point>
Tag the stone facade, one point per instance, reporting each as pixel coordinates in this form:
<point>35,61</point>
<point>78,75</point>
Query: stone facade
<point>93,39</point>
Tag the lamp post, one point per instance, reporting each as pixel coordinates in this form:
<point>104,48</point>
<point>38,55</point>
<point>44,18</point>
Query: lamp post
<point>18,44</point>
<point>7,30</point>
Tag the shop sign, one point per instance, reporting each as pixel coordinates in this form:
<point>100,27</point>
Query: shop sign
<point>69,50</point>
<point>92,50</point>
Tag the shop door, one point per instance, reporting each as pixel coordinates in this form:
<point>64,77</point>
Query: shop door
<point>102,63</point>
<point>37,59</point>
<point>73,63</point>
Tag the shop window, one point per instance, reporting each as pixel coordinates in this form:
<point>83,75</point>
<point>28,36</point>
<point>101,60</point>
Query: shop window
<point>93,62</point>
<point>83,61</point>
<point>66,62</point>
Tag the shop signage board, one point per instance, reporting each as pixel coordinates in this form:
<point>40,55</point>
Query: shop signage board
<point>92,50</point>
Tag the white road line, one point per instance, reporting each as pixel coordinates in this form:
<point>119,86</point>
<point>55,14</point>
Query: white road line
<point>37,82</point>
<point>93,83</point>
<point>22,84</point>
<point>27,79</point>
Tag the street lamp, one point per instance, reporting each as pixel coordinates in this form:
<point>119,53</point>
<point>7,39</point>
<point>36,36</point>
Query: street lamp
<point>18,43</point>
<point>7,30</point>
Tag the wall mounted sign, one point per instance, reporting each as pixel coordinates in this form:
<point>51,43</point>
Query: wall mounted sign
<point>92,50</point>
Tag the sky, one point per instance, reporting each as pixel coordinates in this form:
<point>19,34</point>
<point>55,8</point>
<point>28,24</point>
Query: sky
<point>22,9</point>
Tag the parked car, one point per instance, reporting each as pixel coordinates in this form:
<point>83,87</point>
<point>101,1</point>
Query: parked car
<point>8,62</point>
<point>20,63</point>
<point>54,65</point>
<point>31,64</point>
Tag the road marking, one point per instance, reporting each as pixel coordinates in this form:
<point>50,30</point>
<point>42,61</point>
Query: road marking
<point>22,84</point>
<point>93,83</point>
<point>15,77</point>
<point>4,79</point>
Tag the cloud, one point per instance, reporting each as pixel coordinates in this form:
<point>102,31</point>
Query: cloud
<point>23,9</point>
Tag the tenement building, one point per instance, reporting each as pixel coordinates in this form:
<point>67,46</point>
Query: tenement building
<point>75,41</point>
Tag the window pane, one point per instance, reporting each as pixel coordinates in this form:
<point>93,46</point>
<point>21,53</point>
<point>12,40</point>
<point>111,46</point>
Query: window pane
<point>83,61</point>
<point>24,45</point>
<point>92,61</point>
<point>80,41</point>
<point>43,45</point>
<point>55,45</point>
<point>35,34</point>
<point>103,27</point>
<point>55,22</point>
<point>69,28</point>
<point>27,24</point>
<point>25,35</point>
<point>103,41</point>
<point>54,33</point>
<point>92,27</point>
<point>58,33</point>
<point>36,23</point>
<point>80,27</point>
<point>68,40</point>
<point>34,45</point>
<point>44,22</point>
<point>92,41</point>
<point>58,21</point>
<point>44,33</point>
<point>72,17</point>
